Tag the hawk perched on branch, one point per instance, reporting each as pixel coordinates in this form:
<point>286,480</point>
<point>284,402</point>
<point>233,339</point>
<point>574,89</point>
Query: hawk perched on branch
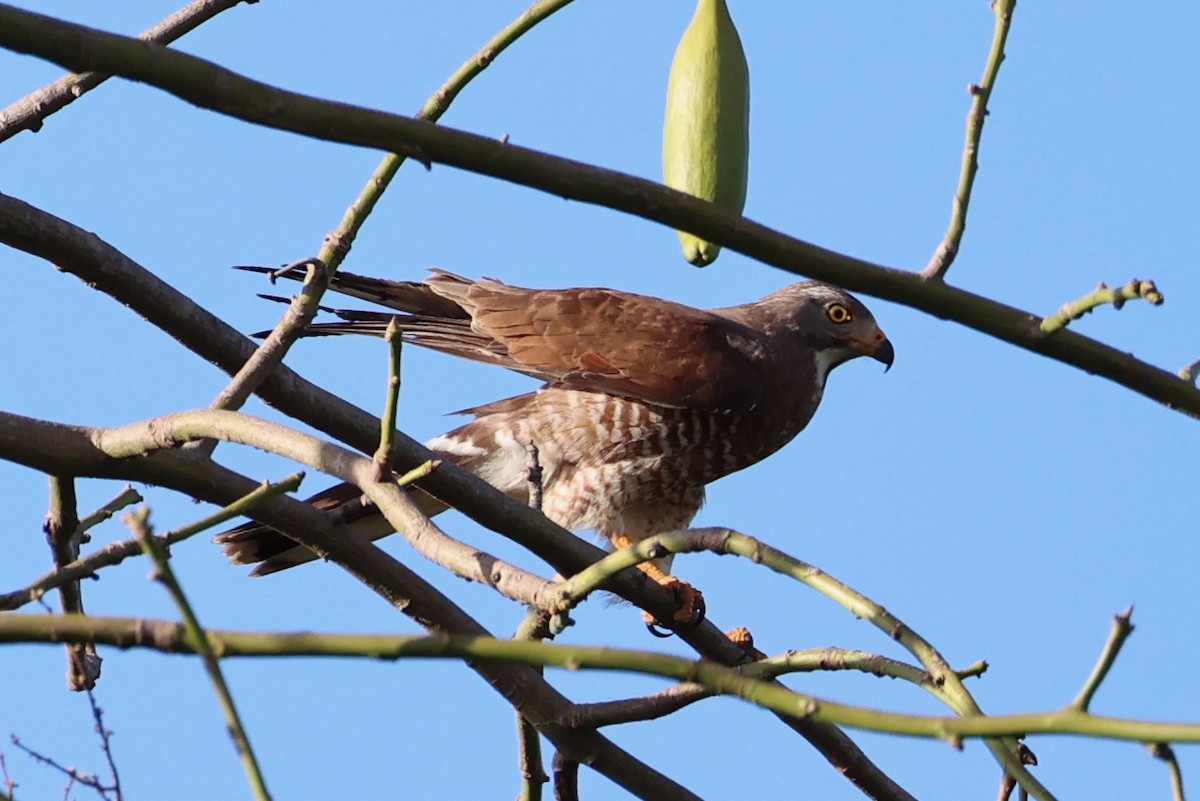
<point>645,401</point>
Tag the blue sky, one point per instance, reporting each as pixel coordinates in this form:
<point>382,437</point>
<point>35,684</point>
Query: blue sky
<point>1003,505</point>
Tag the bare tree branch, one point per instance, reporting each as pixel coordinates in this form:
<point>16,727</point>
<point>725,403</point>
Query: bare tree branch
<point>29,112</point>
<point>981,92</point>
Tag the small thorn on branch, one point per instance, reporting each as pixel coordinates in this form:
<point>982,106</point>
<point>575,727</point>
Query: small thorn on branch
<point>1135,289</point>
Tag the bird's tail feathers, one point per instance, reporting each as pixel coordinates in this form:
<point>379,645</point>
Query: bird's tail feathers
<point>253,543</point>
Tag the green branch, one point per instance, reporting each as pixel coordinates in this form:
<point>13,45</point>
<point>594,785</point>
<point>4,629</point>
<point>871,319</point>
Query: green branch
<point>172,637</point>
<point>1077,308</point>
<point>981,92</point>
<point>209,86</point>
<point>387,422</point>
<point>1121,629</point>
<point>139,521</point>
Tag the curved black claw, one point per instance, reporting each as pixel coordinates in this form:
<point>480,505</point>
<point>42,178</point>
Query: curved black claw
<point>659,630</point>
<point>664,630</point>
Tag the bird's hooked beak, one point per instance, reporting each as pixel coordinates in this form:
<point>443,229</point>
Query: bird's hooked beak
<point>879,348</point>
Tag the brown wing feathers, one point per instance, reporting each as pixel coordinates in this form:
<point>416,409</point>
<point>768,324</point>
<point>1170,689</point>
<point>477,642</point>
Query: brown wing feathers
<point>597,340</point>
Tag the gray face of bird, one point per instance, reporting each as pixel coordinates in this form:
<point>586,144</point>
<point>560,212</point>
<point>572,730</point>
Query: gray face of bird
<point>824,319</point>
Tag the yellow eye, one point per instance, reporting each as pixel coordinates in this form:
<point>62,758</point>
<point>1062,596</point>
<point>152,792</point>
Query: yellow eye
<point>839,313</point>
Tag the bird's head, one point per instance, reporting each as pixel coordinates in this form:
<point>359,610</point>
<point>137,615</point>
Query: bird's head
<point>832,322</point>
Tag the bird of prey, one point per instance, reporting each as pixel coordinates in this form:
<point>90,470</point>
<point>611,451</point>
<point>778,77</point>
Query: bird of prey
<point>644,401</point>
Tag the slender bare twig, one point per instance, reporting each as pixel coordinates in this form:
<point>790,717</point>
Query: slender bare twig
<point>387,423</point>
<point>29,112</point>
<point>106,745</point>
<point>529,754</point>
<point>1102,295</point>
<point>139,523</point>
<point>980,92</point>
<point>1164,752</point>
<point>126,497</point>
<point>117,552</point>
<point>9,784</point>
<point>1121,629</point>
<point>209,86</point>
<point>64,535</point>
<point>72,773</point>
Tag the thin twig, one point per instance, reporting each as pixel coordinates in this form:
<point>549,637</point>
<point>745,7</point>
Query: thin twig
<point>117,552</point>
<point>139,522</point>
<point>64,535</point>
<point>1077,308</point>
<point>9,784</point>
<point>980,92</point>
<point>126,497</point>
<point>106,745</point>
<point>29,112</point>
<point>533,775</point>
<point>73,774</point>
<point>387,423</point>
<point>1120,631</point>
<point>1164,752</point>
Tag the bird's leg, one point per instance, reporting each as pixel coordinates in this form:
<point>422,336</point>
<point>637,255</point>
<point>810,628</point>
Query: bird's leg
<point>691,602</point>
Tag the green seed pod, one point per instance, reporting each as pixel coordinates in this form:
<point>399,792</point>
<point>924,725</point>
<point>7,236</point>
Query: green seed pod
<point>706,131</point>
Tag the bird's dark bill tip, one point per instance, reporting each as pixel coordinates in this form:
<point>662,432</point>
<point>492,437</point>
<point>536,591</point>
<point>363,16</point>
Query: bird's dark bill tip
<point>885,353</point>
